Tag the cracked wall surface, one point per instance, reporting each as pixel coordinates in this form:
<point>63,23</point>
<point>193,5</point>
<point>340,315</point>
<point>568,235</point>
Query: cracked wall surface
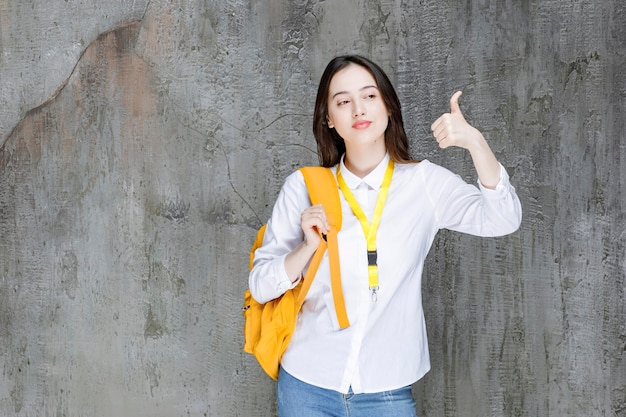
<point>142,144</point>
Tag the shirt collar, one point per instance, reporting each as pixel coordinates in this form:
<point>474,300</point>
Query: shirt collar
<point>374,179</point>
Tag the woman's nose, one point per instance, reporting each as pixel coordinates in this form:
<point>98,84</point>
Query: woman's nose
<point>358,109</point>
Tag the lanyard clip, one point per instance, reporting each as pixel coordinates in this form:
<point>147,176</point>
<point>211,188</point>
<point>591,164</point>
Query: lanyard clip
<point>374,293</point>
<point>372,257</point>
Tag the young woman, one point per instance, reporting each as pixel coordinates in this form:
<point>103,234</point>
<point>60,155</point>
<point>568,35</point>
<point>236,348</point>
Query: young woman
<point>367,368</point>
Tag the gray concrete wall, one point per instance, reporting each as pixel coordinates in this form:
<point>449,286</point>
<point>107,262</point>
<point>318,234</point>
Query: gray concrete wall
<point>143,142</point>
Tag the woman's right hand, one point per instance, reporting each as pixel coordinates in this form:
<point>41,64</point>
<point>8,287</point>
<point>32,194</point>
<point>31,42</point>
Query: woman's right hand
<point>313,222</point>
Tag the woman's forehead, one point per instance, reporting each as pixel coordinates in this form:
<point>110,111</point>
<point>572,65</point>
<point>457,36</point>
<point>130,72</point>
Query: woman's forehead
<point>352,78</point>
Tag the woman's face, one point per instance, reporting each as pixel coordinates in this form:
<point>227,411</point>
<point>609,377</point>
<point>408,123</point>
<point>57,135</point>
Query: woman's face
<point>356,109</point>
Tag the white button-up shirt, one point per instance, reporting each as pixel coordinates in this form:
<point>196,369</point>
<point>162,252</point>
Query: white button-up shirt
<point>385,346</point>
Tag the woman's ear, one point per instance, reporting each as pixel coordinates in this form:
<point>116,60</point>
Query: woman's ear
<point>329,123</point>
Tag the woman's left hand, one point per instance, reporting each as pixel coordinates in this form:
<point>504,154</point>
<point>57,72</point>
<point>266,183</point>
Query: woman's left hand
<point>451,129</point>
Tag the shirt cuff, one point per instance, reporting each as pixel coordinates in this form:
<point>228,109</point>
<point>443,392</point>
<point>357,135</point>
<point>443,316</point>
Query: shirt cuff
<point>284,283</point>
<point>502,187</point>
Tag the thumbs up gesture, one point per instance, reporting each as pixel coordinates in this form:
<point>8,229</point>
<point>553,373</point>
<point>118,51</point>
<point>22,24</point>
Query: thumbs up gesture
<point>451,129</point>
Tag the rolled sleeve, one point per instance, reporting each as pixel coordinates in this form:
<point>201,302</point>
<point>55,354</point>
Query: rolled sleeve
<point>501,188</point>
<point>503,207</point>
<point>284,283</point>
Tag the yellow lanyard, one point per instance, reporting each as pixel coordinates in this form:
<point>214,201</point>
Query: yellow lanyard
<point>369,230</point>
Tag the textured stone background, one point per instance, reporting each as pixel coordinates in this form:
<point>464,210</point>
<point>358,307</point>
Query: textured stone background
<point>143,142</point>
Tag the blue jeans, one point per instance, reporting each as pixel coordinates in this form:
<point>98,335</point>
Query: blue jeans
<point>299,399</point>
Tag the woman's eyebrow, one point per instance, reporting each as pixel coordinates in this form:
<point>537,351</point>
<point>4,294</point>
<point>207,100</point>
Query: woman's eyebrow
<point>346,92</point>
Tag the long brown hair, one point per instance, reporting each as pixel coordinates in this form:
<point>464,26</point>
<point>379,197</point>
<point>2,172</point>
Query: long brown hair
<point>330,146</point>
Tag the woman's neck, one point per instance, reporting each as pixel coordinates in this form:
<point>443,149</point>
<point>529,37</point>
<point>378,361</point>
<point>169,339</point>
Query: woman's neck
<point>361,162</point>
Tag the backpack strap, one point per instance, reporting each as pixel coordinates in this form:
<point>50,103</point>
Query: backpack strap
<point>323,189</point>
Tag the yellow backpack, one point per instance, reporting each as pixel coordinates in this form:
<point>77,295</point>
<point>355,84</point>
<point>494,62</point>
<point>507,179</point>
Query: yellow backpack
<point>268,327</point>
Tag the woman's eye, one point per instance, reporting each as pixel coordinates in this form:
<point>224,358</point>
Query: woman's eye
<point>370,96</point>
<point>342,102</point>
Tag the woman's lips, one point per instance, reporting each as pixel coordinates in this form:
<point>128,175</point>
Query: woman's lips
<point>361,124</point>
